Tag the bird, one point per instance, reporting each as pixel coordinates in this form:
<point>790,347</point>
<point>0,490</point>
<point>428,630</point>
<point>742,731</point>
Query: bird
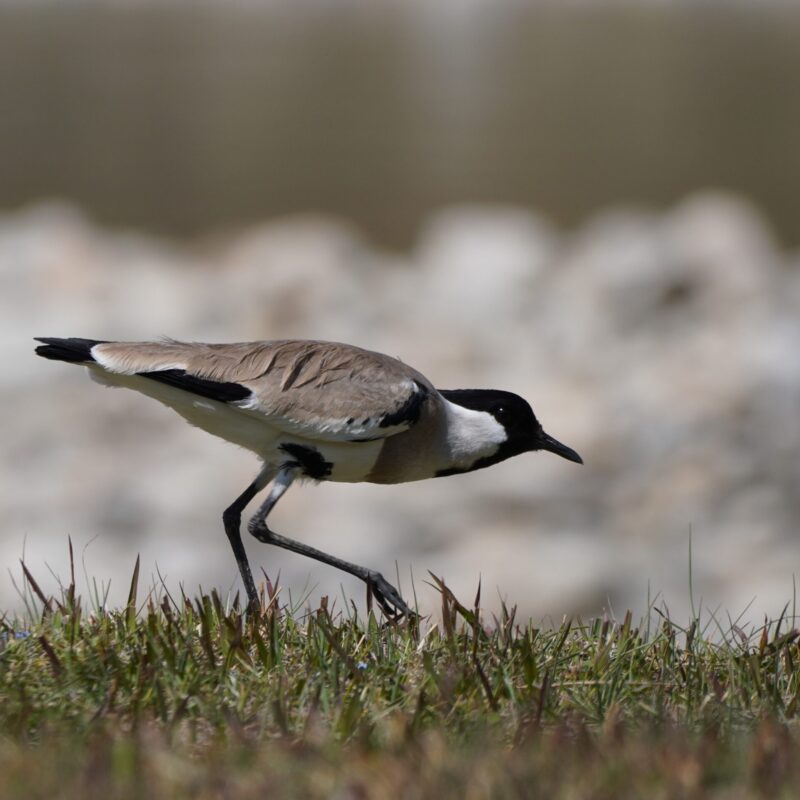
<point>319,411</point>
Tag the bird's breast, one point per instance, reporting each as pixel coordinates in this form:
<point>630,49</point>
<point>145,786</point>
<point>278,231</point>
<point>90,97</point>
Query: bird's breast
<point>414,455</point>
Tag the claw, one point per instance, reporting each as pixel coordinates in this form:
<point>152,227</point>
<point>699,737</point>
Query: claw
<point>388,598</point>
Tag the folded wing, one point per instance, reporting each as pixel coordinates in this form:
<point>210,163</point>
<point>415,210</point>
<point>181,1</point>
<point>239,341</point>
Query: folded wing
<point>321,390</point>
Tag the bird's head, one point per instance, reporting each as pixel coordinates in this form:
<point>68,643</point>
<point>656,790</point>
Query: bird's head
<point>524,433</point>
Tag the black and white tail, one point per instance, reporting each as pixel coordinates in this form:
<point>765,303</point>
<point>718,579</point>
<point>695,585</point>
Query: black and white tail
<point>74,351</point>
<point>109,373</point>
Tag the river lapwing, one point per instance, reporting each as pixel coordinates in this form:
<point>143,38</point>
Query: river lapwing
<point>317,410</point>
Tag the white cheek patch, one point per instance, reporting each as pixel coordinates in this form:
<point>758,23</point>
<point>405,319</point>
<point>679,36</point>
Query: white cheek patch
<point>472,434</point>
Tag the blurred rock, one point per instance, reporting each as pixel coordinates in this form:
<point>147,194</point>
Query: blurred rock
<point>664,348</point>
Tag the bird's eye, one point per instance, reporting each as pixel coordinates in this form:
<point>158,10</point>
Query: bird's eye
<point>501,411</point>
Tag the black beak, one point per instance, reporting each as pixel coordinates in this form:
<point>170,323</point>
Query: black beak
<point>546,442</point>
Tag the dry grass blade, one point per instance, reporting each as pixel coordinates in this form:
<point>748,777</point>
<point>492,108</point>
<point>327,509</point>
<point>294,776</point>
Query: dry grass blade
<point>54,660</point>
<point>46,602</point>
<point>130,606</point>
<point>487,688</point>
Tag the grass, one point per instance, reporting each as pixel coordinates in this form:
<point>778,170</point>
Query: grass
<point>177,697</point>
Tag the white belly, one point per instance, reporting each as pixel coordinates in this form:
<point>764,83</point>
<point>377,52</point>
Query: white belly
<point>350,462</point>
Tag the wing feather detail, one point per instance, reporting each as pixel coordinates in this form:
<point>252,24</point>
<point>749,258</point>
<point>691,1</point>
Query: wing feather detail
<point>315,389</point>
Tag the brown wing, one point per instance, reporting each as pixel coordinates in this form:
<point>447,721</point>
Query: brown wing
<point>318,389</point>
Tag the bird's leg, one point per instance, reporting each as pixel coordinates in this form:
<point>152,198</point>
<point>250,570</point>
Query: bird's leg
<point>232,519</point>
<point>385,594</point>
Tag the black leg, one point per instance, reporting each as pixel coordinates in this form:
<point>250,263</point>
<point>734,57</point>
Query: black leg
<point>387,596</point>
<point>232,519</point>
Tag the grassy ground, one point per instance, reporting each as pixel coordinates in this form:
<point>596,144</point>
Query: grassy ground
<point>178,698</point>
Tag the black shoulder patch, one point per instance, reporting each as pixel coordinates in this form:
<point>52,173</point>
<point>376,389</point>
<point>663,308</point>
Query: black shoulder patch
<point>203,387</point>
<point>408,412</point>
<point>74,350</point>
<point>309,459</point>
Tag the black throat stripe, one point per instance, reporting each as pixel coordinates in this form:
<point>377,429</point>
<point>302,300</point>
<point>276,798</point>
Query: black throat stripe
<point>506,450</point>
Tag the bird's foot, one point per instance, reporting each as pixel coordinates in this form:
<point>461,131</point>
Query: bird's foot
<point>387,597</point>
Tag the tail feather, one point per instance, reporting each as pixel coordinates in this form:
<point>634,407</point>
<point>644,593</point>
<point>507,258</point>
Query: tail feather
<point>73,350</point>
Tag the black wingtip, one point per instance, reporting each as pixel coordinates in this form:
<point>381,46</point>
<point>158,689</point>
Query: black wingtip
<point>73,350</point>
<point>224,392</point>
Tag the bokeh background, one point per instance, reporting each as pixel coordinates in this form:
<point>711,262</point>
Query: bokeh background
<point>592,204</point>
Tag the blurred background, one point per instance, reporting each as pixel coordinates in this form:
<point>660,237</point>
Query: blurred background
<point>591,204</point>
